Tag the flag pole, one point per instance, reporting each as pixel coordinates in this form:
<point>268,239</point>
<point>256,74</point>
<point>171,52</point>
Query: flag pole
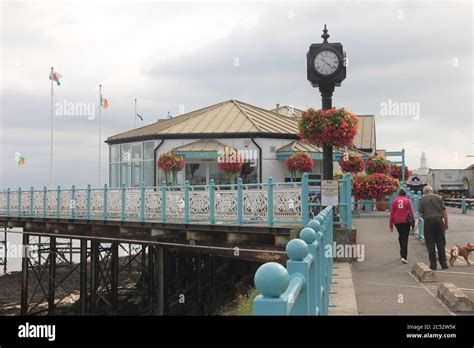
<point>135,116</point>
<point>100,128</point>
<point>51,145</point>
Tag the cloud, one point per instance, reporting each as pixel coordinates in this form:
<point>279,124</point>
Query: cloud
<point>192,55</point>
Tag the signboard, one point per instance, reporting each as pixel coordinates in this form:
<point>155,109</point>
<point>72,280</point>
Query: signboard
<point>329,192</point>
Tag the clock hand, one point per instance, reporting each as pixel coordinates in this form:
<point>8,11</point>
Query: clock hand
<point>328,64</point>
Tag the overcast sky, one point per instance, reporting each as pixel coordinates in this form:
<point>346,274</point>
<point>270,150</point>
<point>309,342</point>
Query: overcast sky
<point>178,57</point>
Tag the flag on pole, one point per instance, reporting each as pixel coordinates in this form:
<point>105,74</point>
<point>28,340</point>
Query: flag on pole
<point>55,76</point>
<point>20,159</point>
<point>104,102</point>
<point>141,118</point>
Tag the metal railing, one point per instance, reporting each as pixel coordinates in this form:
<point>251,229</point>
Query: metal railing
<point>287,203</point>
<point>302,288</point>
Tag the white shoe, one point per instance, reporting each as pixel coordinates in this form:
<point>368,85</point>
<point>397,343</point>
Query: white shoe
<point>403,260</point>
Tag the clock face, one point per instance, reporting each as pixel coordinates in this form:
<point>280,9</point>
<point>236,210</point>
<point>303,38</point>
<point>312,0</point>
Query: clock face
<point>326,62</point>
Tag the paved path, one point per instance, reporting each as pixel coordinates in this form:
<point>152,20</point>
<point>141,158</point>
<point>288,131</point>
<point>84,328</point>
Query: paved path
<point>384,286</point>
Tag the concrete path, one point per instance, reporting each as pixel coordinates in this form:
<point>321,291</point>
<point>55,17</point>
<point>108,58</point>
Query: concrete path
<point>385,286</point>
<point>343,295</point>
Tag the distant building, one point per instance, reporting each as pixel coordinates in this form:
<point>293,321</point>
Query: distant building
<point>418,177</point>
<point>448,181</point>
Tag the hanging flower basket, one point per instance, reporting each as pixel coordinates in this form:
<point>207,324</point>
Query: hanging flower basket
<point>352,163</point>
<point>377,164</point>
<point>230,169</point>
<point>373,186</point>
<point>333,127</point>
<point>396,172</point>
<point>170,162</point>
<point>300,162</point>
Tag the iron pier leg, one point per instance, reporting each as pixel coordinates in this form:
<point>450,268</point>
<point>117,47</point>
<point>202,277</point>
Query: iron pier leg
<point>52,274</point>
<point>199,283</point>
<point>94,277</point>
<point>160,258</point>
<point>5,240</point>
<point>24,275</point>
<point>83,277</point>
<point>151,264</point>
<point>114,277</point>
<point>143,278</point>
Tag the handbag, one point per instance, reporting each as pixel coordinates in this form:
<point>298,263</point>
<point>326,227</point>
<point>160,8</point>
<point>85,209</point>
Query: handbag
<point>410,219</point>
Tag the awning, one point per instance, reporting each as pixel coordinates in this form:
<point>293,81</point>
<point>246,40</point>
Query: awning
<point>316,153</point>
<point>201,149</point>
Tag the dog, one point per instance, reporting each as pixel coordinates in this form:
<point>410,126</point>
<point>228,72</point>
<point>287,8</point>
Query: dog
<point>464,251</point>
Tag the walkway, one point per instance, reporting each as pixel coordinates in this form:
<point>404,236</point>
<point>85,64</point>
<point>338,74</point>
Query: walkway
<point>384,286</point>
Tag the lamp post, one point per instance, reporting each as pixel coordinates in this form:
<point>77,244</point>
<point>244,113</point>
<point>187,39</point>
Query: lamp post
<point>326,69</point>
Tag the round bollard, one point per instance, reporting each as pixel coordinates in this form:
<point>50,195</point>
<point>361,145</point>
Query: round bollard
<point>315,225</point>
<point>308,234</point>
<point>297,249</point>
<point>271,279</point>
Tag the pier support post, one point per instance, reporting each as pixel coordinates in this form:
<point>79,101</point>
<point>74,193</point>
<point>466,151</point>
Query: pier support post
<point>24,274</point>
<point>83,278</point>
<point>151,274</point>
<point>162,291</point>
<point>94,281</point>
<point>114,277</point>
<point>52,275</point>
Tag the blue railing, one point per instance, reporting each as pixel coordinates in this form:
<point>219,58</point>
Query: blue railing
<point>270,203</point>
<point>302,288</point>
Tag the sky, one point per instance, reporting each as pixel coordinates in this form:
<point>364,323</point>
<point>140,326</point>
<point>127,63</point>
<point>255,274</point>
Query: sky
<point>409,64</point>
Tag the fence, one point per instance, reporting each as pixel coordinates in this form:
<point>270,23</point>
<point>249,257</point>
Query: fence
<point>463,203</point>
<point>302,288</point>
<point>263,203</point>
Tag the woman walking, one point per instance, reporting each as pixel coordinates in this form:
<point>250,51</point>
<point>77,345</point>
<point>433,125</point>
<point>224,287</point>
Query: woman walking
<point>403,217</point>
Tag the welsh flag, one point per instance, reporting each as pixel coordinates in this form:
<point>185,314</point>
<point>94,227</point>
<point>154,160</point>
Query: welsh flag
<point>55,76</point>
<point>104,102</point>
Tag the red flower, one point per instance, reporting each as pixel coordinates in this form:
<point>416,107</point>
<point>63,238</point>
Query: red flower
<point>335,127</point>
<point>351,163</point>
<point>170,162</point>
<point>377,164</point>
<point>299,162</point>
<point>396,172</point>
<point>373,186</point>
<point>230,167</point>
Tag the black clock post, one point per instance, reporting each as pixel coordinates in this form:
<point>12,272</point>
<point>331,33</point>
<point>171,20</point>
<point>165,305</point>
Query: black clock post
<point>326,68</point>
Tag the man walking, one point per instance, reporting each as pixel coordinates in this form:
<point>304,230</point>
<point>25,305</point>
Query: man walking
<point>431,208</point>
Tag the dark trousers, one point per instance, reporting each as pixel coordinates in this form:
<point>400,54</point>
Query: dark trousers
<point>403,232</point>
<point>434,237</point>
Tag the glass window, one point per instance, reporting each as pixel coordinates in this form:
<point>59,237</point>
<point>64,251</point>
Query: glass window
<point>249,173</point>
<point>136,173</point>
<point>137,152</point>
<point>148,148</point>
<point>126,154</point>
<point>114,175</point>
<point>196,173</point>
<point>216,174</point>
<point>125,174</point>
<point>148,173</point>
<point>115,153</point>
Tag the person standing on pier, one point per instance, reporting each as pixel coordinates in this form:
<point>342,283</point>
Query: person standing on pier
<point>432,210</point>
<point>400,214</point>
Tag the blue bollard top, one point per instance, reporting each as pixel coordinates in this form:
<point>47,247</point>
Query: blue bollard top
<point>308,234</point>
<point>320,218</point>
<point>315,225</point>
<point>271,279</point>
<point>297,249</point>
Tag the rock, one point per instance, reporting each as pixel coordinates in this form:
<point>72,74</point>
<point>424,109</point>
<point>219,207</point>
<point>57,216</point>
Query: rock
<point>423,273</point>
<point>454,298</point>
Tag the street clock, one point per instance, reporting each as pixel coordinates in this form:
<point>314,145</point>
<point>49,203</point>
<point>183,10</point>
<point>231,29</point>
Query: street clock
<point>326,63</point>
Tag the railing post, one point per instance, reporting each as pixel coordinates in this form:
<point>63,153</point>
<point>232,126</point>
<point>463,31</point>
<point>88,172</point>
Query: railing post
<point>45,201</point>
<point>343,202</point>
<point>88,202</point>
<point>123,199</point>
<point>304,199</point>
<point>32,202</point>
<point>142,202</point>
<point>19,201</point>
<point>8,201</point>
<point>463,205</point>
<point>270,201</point>
<point>240,202</point>
<point>163,202</point>
<point>272,281</point>
<point>73,202</point>
<point>349,200</point>
<point>298,265</point>
<point>106,202</point>
<point>212,202</point>
<point>58,202</point>
<point>186,201</point>
<point>308,234</point>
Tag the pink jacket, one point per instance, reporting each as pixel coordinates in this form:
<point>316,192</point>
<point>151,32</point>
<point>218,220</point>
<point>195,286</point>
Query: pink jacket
<point>399,212</point>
